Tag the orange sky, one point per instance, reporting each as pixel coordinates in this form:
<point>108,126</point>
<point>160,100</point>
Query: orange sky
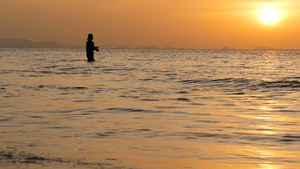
<point>199,24</point>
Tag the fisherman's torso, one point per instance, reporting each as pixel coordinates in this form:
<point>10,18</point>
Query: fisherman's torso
<point>90,47</point>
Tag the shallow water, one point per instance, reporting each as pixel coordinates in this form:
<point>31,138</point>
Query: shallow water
<point>150,109</point>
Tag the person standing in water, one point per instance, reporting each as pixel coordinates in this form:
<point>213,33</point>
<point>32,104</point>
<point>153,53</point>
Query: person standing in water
<point>90,47</point>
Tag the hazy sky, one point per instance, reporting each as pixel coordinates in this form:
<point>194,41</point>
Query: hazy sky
<point>178,23</point>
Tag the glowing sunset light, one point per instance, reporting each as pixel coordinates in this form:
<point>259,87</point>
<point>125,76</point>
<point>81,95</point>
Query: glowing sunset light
<point>190,24</point>
<point>270,13</point>
<point>270,16</point>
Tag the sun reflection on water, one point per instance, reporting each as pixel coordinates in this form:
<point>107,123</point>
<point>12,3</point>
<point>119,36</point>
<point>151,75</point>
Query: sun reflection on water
<point>269,166</point>
<point>266,130</point>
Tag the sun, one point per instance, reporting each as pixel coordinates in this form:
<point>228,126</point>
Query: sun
<point>270,13</point>
<point>269,16</point>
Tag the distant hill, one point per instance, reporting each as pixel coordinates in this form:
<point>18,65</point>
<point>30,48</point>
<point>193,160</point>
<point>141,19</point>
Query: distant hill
<point>25,43</point>
<point>148,47</point>
<point>122,47</point>
<point>263,48</point>
<point>169,48</point>
<point>226,48</point>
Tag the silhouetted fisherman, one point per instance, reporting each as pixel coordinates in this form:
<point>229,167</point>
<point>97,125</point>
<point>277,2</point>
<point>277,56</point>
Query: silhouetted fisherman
<point>90,47</point>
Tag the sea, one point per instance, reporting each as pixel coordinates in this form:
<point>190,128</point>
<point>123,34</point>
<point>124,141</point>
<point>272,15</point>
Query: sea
<point>149,109</point>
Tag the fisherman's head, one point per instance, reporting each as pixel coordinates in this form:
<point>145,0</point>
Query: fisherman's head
<point>90,37</point>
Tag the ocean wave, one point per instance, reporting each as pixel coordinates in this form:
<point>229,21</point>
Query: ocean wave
<point>238,84</point>
<point>280,84</point>
<point>12,158</point>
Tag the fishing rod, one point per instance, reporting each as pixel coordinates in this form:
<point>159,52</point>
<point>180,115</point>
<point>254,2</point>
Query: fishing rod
<point>105,45</point>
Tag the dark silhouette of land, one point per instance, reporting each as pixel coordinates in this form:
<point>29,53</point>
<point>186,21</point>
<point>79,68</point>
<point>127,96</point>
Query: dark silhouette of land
<point>263,48</point>
<point>25,43</point>
<point>148,47</point>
